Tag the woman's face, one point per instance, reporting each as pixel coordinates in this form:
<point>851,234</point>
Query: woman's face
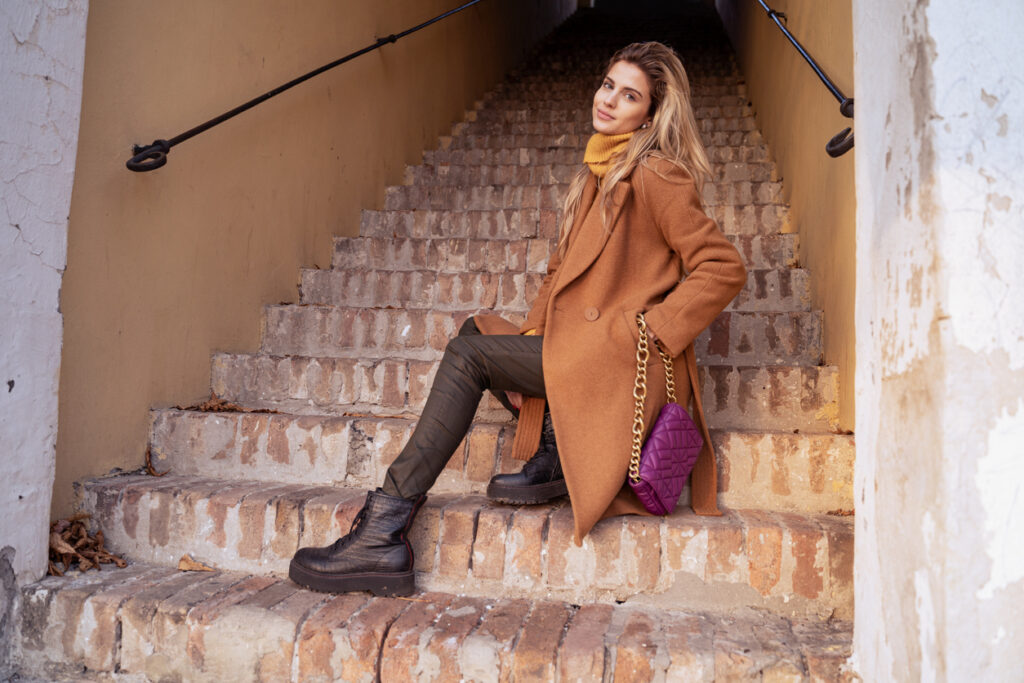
<point>623,100</point>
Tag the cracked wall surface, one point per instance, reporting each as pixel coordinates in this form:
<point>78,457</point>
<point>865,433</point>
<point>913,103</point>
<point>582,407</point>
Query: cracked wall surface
<point>42,52</point>
<point>939,480</point>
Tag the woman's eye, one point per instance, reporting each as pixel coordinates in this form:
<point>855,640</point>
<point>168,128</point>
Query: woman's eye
<point>631,97</point>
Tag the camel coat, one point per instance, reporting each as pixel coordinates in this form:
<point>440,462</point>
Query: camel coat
<point>586,309</point>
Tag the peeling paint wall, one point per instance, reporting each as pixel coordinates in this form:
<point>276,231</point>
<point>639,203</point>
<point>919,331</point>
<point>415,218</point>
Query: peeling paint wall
<point>42,50</point>
<point>939,479</point>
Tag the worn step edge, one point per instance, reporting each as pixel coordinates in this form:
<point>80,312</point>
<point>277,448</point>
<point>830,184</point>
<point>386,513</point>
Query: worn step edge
<point>733,338</point>
<point>515,224</point>
<point>146,621</point>
<point>743,396</point>
<point>789,563</point>
<point>462,254</point>
<point>774,290</point>
<point>780,471</point>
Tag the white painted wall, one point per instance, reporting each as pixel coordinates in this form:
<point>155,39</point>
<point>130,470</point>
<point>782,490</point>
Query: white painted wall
<point>939,484</point>
<point>42,53</point>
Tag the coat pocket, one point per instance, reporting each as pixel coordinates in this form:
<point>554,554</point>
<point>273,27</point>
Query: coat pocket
<point>629,318</point>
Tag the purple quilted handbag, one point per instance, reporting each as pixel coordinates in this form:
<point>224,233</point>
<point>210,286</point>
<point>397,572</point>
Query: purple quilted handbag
<point>659,468</point>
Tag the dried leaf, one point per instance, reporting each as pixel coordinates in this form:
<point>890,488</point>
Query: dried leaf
<point>53,571</point>
<point>60,545</point>
<point>216,404</point>
<point>187,564</point>
<point>841,513</point>
<point>150,470</point>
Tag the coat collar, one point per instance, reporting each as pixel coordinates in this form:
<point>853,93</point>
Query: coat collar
<point>591,235</point>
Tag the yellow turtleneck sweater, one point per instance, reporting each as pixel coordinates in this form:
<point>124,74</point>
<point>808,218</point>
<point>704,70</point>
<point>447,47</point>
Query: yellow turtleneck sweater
<point>602,148</point>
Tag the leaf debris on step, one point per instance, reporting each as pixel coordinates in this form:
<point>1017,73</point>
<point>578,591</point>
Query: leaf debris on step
<point>71,543</point>
<point>187,564</point>
<point>216,404</point>
<point>150,470</point>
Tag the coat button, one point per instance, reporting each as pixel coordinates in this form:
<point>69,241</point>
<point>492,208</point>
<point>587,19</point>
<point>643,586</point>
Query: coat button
<point>591,314</point>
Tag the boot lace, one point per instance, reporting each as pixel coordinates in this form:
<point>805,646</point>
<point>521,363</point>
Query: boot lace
<point>347,538</point>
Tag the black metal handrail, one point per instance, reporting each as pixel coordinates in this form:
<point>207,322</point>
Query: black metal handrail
<point>841,142</point>
<point>153,156</point>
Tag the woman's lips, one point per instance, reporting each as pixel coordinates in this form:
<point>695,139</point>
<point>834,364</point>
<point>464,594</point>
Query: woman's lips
<point>603,116</point>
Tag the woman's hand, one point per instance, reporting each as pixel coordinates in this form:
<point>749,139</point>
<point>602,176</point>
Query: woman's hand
<point>515,398</point>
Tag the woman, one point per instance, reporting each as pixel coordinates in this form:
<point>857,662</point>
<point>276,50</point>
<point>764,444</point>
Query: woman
<point>632,226</point>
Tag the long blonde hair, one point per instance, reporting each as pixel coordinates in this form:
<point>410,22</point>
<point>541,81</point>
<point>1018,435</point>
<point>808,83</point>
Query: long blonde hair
<point>672,134</point>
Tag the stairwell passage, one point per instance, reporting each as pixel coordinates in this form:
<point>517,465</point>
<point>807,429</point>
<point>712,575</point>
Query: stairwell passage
<point>765,591</point>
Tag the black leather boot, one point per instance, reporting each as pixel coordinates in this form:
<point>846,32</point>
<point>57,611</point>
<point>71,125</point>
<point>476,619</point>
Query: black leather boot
<point>374,555</point>
<point>539,481</point>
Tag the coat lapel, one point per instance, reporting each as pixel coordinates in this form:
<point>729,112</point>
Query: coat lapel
<point>589,236</point>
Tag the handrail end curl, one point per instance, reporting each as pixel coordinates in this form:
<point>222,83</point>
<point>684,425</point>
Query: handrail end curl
<point>840,144</point>
<point>148,158</point>
<point>846,107</point>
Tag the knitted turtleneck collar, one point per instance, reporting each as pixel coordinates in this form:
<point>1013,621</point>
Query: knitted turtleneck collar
<point>602,148</point>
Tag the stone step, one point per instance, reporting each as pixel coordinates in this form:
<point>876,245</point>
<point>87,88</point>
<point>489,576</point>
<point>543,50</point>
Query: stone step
<point>542,174</point>
<point>462,254</point>
<point>764,470</point>
<point>729,107</point>
<point>788,563</point>
<point>719,132</point>
<point>757,396</point>
<point>546,90</point>
<point>152,623</point>
<point>436,197</point>
<point>774,290</point>
<point>570,155</point>
<point>734,338</point>
<point>514,224</point>
<point>580,123</point>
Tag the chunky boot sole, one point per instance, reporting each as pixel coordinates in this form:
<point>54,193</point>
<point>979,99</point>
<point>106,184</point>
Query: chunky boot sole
<point>527,495</point>
<point>379,583</point>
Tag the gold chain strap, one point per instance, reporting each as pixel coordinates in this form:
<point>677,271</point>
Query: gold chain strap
<point>643,354</point>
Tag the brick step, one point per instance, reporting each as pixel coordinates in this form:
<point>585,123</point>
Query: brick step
<point>783,397</point>
<point>503,101</point>
<point>774,290</point>
<point>579,125</point>
<point>762,219</point>
<point>734,107</point>
<point>545,174</point>
<point>477,197</point>
<point>714,133</point>
<point>583,89</point>
<point>462,254</point>
<point>788,563</point>
<point>735,338</point>
<point>153,623</point>
<point>765,470</point>
<point>571,155</point>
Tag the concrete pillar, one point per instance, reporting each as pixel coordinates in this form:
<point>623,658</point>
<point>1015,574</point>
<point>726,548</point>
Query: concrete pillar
<point>939,479</point>
<point>42,52</point>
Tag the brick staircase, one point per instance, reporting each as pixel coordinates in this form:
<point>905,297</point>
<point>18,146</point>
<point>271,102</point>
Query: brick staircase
<point>766,591</point>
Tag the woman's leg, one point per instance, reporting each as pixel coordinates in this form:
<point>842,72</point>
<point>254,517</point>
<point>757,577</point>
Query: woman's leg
<point>376,554</point>
<point>471,364</point>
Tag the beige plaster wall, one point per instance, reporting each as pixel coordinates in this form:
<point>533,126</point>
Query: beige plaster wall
<point>166,267</point>
<point>797,116</point>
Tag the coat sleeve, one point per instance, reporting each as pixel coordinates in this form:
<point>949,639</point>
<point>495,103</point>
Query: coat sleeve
<point>715,273</point>
<point>535,319</point>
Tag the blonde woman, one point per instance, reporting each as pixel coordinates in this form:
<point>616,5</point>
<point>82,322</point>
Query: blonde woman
<point>634,238</point>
